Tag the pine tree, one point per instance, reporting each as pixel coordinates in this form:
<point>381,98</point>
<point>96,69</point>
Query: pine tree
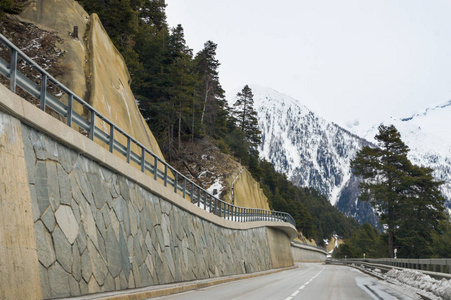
<point>213,110</point>
<point>405,196</point>
<point>422,211</point>
<point>246,117</point>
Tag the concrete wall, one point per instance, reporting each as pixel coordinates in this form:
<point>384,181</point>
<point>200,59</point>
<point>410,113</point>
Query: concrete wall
<point>77,219</point>
<point>306,253</point>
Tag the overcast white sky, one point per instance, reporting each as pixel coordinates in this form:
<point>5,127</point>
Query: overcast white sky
<point>345,60</point>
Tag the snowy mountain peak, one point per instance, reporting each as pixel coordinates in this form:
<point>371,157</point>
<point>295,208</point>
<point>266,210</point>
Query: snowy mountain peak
<point>311,151</point>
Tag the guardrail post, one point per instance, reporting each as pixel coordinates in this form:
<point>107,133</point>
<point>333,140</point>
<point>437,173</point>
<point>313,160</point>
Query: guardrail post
<point>13,71</point>
<point>92,125</point>
<point>165,175</point>
<point>143,159</point>
<point>210,201</point>
<point>198,196</point>
<point>70,108</point>
<point>155,168</point>
<point>192,192</point>
<point>128,149</point>
<point>43,91</point>
<point>216,206</point>
<point>111,140</point>
<point>184,187</point>
<point>175,181</point>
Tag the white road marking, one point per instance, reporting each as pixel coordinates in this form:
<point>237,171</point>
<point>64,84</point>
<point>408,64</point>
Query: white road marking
<point>303,286</point>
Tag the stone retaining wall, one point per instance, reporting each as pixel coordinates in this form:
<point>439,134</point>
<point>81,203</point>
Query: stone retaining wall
<point>305,253</point>
<point>76,219</point>
<point>98,231</point>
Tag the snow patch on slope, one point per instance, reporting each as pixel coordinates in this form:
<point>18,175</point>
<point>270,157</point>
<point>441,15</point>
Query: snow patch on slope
<point>311,151</point>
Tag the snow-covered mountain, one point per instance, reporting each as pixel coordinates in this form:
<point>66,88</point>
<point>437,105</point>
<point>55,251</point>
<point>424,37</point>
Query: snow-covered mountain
<point>428,135</point>
<point>311,151</point>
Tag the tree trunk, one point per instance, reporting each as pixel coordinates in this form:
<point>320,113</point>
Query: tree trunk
<point>390,233</point>
<point>179,132</point>
<point>205,105</point>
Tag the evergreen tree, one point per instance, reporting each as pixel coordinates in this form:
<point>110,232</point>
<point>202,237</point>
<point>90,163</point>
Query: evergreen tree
<point>405,196</point>
<point>421,213</point>
<point>246,117</point>
<point>10,7</point>
<point>383,172</point>
<point>213,110</point>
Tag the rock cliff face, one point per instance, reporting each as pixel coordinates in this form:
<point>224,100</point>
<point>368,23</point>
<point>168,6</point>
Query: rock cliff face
<point>246,191</point>
<point>93,67</point>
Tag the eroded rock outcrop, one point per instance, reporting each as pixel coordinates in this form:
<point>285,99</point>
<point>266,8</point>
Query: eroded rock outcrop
<point>93,68</point>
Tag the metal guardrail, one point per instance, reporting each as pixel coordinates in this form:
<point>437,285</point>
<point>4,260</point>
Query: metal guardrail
<point>442,265</point>
<point>145,159</point>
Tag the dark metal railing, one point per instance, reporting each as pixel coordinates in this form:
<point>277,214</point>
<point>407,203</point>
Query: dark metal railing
<point>145,159</point>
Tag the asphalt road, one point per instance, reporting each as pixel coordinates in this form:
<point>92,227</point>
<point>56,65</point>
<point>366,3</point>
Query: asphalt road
<point>309,281</point>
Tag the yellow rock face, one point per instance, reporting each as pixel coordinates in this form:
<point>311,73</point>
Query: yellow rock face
<point>247,191</point>
<point>93,68</point>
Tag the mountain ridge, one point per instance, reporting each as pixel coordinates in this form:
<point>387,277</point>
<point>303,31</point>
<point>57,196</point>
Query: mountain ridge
<point>309,150</point>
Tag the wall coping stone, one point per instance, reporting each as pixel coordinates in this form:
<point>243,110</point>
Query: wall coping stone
<point>37,119</point>
<point>308,247</point>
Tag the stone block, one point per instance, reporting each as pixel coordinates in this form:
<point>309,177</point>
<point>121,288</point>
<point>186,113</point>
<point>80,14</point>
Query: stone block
<point>48,218</point>
<point>93,286</point>
<point>124,188</point>
<point>86,270</point>
<point>101,243</point>
<point>99,189</point>
<point>80,177</point>
<point>41,188</point>
<point>140,249</point>
<point>45,284</point>
<point>67,222</point>
<point>53,184</point>
<point>63,250</point>
<point>59,281</point>
<point>125,254</point>
<point>100,223</point>
<point>109,283</point>
<point>73,287</point>
<point>34,203</point>
<point>113,253</point>
<point>64,186</point>
<point>82,239</point>
<point>99,268</point>
<point>134,219</point>
<point>66,157</point>
<point>76,263</point>
<point>106,216</point>
<point>44,244</point>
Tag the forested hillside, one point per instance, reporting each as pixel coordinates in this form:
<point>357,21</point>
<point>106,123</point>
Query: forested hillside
<point>181,98</point>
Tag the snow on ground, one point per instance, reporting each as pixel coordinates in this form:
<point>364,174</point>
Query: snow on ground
<point>216,186</point>
<point>414,278</point>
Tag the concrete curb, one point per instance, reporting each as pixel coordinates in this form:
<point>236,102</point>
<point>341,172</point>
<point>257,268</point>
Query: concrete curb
<point>170,289</point>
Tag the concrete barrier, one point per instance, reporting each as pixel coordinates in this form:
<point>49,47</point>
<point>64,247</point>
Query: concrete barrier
<point>306,253</point>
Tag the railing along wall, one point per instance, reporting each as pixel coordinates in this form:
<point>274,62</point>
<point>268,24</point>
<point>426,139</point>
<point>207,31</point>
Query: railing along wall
<point>307,245</point>
<point>145,159</point>
<point>442,265</point>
